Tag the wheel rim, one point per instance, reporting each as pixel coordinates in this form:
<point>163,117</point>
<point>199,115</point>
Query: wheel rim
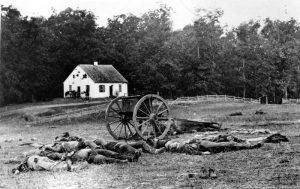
<point>119,123</point>
<point>151,117</point>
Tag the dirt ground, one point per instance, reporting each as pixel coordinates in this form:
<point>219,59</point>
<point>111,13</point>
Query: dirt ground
<point>271,166</point>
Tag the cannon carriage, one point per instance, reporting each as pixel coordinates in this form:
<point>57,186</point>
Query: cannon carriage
<point>135,117</point>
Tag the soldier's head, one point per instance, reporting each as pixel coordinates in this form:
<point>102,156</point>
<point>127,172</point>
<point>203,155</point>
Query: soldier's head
<point>23,167</point>
<point>81,144</point>
<point>63,137</point>
<point>150,141</point>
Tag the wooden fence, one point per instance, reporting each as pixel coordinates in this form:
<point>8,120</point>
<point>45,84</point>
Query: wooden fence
<point>214,98</point>
<point>290,101</point>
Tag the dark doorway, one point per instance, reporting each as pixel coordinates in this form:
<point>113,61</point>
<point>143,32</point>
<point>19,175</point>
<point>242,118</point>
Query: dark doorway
<point>111,91</point>
<point>87,91</point>
<point>78,92</point>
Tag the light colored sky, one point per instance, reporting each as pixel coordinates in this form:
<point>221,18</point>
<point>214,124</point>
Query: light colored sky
<point>235,11</point>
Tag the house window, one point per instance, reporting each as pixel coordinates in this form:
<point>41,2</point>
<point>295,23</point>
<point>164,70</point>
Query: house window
<point>70,87</point>
<point>84,76</point>
<point>73,76</point>
<point>120,87</point>
<point>101,88</point>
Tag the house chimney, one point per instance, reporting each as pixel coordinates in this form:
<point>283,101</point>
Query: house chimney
<point>95,63</point>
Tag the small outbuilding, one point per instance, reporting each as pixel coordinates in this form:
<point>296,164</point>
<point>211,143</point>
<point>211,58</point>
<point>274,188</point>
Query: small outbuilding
<point>95,81</point>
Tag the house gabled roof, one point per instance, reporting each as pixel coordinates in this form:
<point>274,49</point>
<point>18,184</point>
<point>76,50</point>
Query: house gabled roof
<point>103,73</point>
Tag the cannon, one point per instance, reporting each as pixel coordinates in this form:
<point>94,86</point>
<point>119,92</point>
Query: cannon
<point>134,117</point>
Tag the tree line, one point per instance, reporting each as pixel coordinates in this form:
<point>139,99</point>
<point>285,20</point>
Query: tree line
<point>257,58</point>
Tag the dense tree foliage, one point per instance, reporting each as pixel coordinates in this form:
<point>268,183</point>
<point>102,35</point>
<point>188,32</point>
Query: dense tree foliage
<point>251,60</point>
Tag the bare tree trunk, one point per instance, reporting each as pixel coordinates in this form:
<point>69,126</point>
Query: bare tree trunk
<point>286,92</point>
<point>244,79</point>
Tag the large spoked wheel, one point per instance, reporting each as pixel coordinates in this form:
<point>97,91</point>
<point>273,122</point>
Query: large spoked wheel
<point>119,122</point>
<point>151,117</point>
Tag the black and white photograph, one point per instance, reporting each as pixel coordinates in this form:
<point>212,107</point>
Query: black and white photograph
<point>144,94</point>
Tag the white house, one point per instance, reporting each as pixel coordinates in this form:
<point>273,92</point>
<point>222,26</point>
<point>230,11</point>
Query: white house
<point>97,81</point>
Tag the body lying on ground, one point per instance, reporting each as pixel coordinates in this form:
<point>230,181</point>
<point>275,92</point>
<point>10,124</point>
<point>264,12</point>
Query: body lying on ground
<point>67,151</point>
<point>215,144</point>
<point>69,155</point>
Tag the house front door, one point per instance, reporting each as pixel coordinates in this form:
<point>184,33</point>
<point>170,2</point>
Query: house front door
<point>78,92</point>
<point>87,91</point>
<point>111,91</point>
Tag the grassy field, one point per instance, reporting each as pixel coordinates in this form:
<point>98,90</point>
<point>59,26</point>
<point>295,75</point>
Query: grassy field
<point>272,166</point>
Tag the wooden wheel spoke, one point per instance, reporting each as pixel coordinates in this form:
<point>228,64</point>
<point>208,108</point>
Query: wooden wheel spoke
<point>129,129</point>
<point>158,127</point>
<point>132,126</point>
<point>162,112</point>
<point>159,107</point>
<point>117,127</point>
<point>143,112</point>
<point>146,108</point>
<point>120,131</point>
<point>154,132</point>
<point>118,106</point>
<point>162,118</point>
<point>143,123</point>
<point>119,117</point>
<point>115,111</point>
<point>114,122</point>
<point>143,118</point>
<point>126,136</point>
<point>150,105</point>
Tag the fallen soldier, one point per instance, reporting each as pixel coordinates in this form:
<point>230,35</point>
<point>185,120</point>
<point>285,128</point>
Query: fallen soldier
<point>40,163</point>
<point>215,144</point>
<point>67,151</point>
<point>73,155</point>
<point>120,147</point>
<point>118,150</point>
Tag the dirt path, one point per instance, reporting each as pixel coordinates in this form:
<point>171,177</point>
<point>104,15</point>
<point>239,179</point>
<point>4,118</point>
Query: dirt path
<point>35,108</point>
